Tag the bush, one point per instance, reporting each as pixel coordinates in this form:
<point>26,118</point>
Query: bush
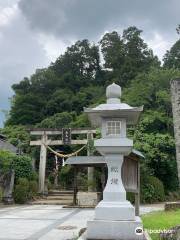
<point>152,190</point>
<point>33,188</point>
<point>21,191</point>
<point>6,159</point>
<point>23,167</point>
<point>1,194</point>
<point>130,197</point>
<point>66,176</point>
<point>49,184</point>
<point>173,196</point>
<point>82,181</point>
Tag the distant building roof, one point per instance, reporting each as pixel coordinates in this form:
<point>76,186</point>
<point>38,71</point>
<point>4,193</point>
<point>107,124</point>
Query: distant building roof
<point>4,145</point>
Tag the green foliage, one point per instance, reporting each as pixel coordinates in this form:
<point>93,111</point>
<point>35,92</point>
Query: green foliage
<point>18,136</point>
<point>49,184</point>
<point>23,167</point>
<point>159,150</point>
<point>82,181</point>
<point>154,134</point>
<point>80,122</point>
<point>152,190</point>
<point>127,55</point>
<point>151,89</point>
<point>66,176</point>
<point>21,191</point>
<point>130,197</point>
<point>173,196</point>
<point>6,159</point>
<point>59,120</point>
<point>25,190</point>
<point>1,194</point>
<point>172,57</point>
<point>33,188</point>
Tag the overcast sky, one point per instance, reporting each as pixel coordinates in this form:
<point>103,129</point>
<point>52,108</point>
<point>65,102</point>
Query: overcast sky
<point>33,33</point>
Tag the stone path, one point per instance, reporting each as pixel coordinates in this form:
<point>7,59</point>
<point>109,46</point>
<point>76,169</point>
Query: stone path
<point>44,222</point>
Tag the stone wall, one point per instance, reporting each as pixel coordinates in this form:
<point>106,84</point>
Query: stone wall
<point>175,96</point>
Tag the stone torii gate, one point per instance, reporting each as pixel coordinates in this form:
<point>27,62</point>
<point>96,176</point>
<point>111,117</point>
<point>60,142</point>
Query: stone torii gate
<point>45,141</point>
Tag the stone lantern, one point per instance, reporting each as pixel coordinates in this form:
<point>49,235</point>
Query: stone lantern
<point>114,215</point>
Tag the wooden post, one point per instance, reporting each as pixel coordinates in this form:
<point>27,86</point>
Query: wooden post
<point>137,195</point>
<point>90,169</point>
<point>75,186</point>
<point>42,164</point>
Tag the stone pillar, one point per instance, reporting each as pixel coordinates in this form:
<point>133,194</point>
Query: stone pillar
<point>42,165</point>
<point>175,97</point>
<point>8,188</point>
<point>90,169</point>
<point>114,195</point>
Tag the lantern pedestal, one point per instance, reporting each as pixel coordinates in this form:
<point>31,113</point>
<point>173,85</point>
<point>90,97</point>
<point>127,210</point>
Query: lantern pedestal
<point>124,230</point>
<point>114,215</point>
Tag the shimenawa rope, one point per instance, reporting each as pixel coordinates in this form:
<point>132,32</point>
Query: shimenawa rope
<point>65,155</point>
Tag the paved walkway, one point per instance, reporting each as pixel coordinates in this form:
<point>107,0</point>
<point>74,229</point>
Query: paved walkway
<point>47,222</point>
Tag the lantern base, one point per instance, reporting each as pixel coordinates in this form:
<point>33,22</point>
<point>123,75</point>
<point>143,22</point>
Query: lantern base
<point>115,211</point>
<point>122,230</point>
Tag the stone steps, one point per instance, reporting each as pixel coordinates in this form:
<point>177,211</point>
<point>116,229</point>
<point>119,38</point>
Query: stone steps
<point>60,197</point>
<point>57,192</point>
<point>56,197</point>
<point>52,202</point>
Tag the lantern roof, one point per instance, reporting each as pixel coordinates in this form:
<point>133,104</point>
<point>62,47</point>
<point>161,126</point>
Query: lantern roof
<point>113,108</point>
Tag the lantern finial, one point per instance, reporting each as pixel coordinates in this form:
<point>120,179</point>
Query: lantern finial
<point>113,93</point>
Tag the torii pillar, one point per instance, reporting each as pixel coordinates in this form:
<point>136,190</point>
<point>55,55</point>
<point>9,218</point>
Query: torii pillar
<point>42,164</point>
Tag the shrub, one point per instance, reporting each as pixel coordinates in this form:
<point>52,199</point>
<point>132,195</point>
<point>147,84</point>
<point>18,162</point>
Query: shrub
<point>152,190</point>
<point>33,188</point>
<point>49,184</point>
<point>173,196</point>
<point>21,191</point>
<point>6,159</point>
<point>1,194</point>
<point>66,176</point>
<point>82,181</point>
<point>130,197</point>
<point>23,167</point>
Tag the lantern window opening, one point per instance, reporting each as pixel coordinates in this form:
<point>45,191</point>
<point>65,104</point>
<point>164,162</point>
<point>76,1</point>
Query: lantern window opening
<point>113,128</point>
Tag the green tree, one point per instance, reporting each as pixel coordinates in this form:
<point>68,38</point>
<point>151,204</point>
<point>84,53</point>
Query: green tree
<point>172,57</point>
<point>127,55</point>
<point>58,120</point>
<point>113,50</point>
<point>159,150</point>
<point>18,136</point>
<point>154,134</point>
<point>78,65</point>
<point>31,95</point>
<point>139,57</point>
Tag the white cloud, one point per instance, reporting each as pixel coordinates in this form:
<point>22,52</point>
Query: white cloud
<point>7,14</point>
<point>52,45</point>
<point>160,44</point>
<point>20,53</point>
